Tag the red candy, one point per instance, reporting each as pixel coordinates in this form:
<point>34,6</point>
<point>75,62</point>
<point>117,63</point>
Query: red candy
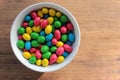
<point>60,51</point>
<point>38,54</point>
<point>37,21</point>
<point>63,29</point>
<point>68,48</point>
<point>34,15</point>
<point>25,50</point>
<point>54,41</point>
<point>44,23</point>
<point>70,26</point>
<point>32,50</point>
<point>24,24</point>
<point>53,58</point>
<point>20,37</point>
<point>57,34</point>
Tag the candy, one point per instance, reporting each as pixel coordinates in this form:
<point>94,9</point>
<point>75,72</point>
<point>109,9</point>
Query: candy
<point>71,37</point>
<point>53,58</point>
<point>38,62</point>
<point>50,20</point>
<point>27,18</point>
<point>42,33</point>
<point>36,28</point>
<point>34,35</point>
<point>44,10</point>
<point>68,48</point>
<point>49,37</point>
<point>54,41</point>
<point>49,43</point>
<point>56,19</point>
<point>26,55</point>
<point>32,60</point>
<point>48,29</point>
<point>38,54</point>
<point>52,12</point>
<point>46,16</point>
<point>41,39</point>
<point>69,43</point>
<point>33,50</point>
<point>64,19</point>
<point>24,24</point>
<point>40,14</point>
<point>60,51</point>
<point>58,14</point>
<point>27,45</point>
<point>45,62</point>
<point>69,26</point>
<point>57,34</point>
<point>59,44</point>
<point>35,43</point>
<point>64,37</point>
<point>26,37</point>
<point>57,24</point>
<point>29,30</point>
<point>65,54</point>
<point>20,44</point>
<point>43,24</point>
<point>53,49</point>
<point>20,37</point>
<point>37,21</point>
<point>63,29</point>
<point>31,23</point>
<point>46,55</point>
<point>33,15</point>
<point>21,30</point>
<point>44,48</point>
<point>60,59</point>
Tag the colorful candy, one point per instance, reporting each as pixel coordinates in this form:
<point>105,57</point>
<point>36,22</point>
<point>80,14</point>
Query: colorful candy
<point>27,55</point>
<point>48,29</point>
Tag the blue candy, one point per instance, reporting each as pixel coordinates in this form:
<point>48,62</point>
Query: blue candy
<point>46,16</point>
<point>27,18</point>
<point>69,43</point>
<point>71,37</point>
<point>42,33</point>
<point>65,54</point>
<point>27,45</point>
<point>49,43</point>
<point>49,37</point>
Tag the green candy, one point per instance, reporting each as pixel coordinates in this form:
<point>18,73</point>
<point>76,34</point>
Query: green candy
<point>44,48</point>
<point>32,60</point>
<point>53,49</point>
<point>63,19</point>
<point>53,28</point>
<point>21,30</point>
<point>46,55</point>
<point>34,35</point>
<point>31,23</point>
<point>57,24</point>
<point>41,39</point>
<point>64,38</point>
<point>55,19</point>
<point>35,43</point>
<point>20,44</point>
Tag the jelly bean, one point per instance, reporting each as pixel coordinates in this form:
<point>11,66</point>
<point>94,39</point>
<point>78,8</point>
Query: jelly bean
<point>44,48</point>
<point>52,12</point>
<point>71,37</point>
<point>20,37</point>
<point>53,29</point>
<point>64,37</point>
<point>53,58</point>
<point>42,33</point>
<point>24,24</point>
<point>21,30</point>
<point>26,37</point>
<point>57,34</point>
<point>57,24</point>
<point>27,45</point>
<point>54,41</point>
<point>27,18</point>
<point>69,43</point>
<point>50,20</point>
<point>32,54</point>
<point>46,55</point>
<point>34,35</point>
<point>55,19</point>
<point>37,21</point>
<point>68,48</point>
<point>32,60</point>
<point>41,39</point>
<point>60,51</point>
<point>38,54</point>
<point>20,44</point>
<point>60,59</point>
<point>46,16</point>
<point>33,15</point>
<point>43,24</point>
<point>26,55</point>
<point>59,44</point>
<point>38,62</point>
<point>64,19</point>
<point>49,37</point>
<point>33,50</point>
<point>53,49</point>
<point>35,43</point>
<point>45,62</point>
<point>58,14</point>
<point>36,28</point>
<point>63,29</point>
<point>49,43</point>
<point>31,23</point>
<point>29,30</point>
<point>48,29</point>
<point>69,26</point>
<point>40,14</point>
<point>65,54</point>
<point>44,10</point>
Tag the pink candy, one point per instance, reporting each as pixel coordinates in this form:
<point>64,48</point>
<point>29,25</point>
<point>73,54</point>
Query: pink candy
<point>20,37</point>
<point>60,51</point>
<point>68,48</point>
<point>37,21</point>
<point>44,23</point>
<point>24,24</point>
<point>32,50</point>
<point>70,26</point>
<point>63,29</point>
<point>53,58</point>
<point>38,54</point>
<point>54,41</point>
<point>34,15</point>
<point>57,34</point>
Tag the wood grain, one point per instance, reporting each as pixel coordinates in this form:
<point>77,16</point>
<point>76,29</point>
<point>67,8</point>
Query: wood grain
<point>98,57</point>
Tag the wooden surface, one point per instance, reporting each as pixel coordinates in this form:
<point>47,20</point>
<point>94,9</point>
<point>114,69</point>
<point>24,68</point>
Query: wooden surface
<point>98,57</point>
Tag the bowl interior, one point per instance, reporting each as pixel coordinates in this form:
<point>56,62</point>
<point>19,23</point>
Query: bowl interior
<point>17,24</point>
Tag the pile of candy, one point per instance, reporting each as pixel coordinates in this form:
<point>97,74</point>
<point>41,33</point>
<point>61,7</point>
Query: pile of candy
<point>45,37</point>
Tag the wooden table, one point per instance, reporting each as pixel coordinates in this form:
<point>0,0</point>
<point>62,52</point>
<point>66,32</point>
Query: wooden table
<point>98,57</point>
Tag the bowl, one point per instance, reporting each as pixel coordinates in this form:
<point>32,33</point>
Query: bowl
<point>14,37</point>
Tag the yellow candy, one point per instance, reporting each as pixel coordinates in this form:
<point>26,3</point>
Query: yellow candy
<point>60,59</point>
<point>45,62</point>
<point>48,29</point>
<point>32,54</point>
<point>59,44</point>
<point>50,20</point>
<point>40,13</point>
<point>58,14</point>
<point>29,30</point>
<point>44,10</point>
<point>36,28</point>
<point>26,55</point>
<point>38,62</point>
<point>26,37</point>
<point>52,12</point>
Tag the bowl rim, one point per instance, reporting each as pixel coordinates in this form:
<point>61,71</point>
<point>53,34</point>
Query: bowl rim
<point>62,8</point>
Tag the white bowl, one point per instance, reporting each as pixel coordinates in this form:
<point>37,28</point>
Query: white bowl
<point>14,37</point>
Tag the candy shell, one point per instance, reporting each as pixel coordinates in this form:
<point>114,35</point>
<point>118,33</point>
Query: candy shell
<point>50,20</point>
<point>36,28</point>
<point>58,14</point>
<point>64,37</point>
<point>59,44</point>
<point>41,39</point>
<point>38,54</point>
<point>46,55</point>
<point>68,48</point>
<point>33,50</point>
<point>24,24</point>
<point>45,62</point>
<point>48,29</point>
<point>42,33</point>
<point>49,37</point>
<point>33,14</point>
<point>38,62</point>
<point>57,34</point>
<point>27,45</point>
<point>37,21</point>
<point>26,37</point>
<point>57,24</point>
<point>43,23</point>
<point>65,54</point>
<point>64,19</point>
<point>53,58</point>
<point>44,48</point>
<point>26,55</point>
<point>52,12</point>
<point>54,41</point>
<point>53,49</point>
<point>35,43</point>
<point>63,29</point>
<point>49,43</point>
<point>31,23</point>
<point>60,59</point>
<point>20,44</point>
<point>60,51</point>
<point>34,35</point>
<point>69,26</point>
<point>27,18</point>
<point>32,60</point>
<point>21,30</point>
<point>71,37</point>
<point>40,14</point>
<point>44,10</point>
<point>29,30</point>
<point>20,37</point>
